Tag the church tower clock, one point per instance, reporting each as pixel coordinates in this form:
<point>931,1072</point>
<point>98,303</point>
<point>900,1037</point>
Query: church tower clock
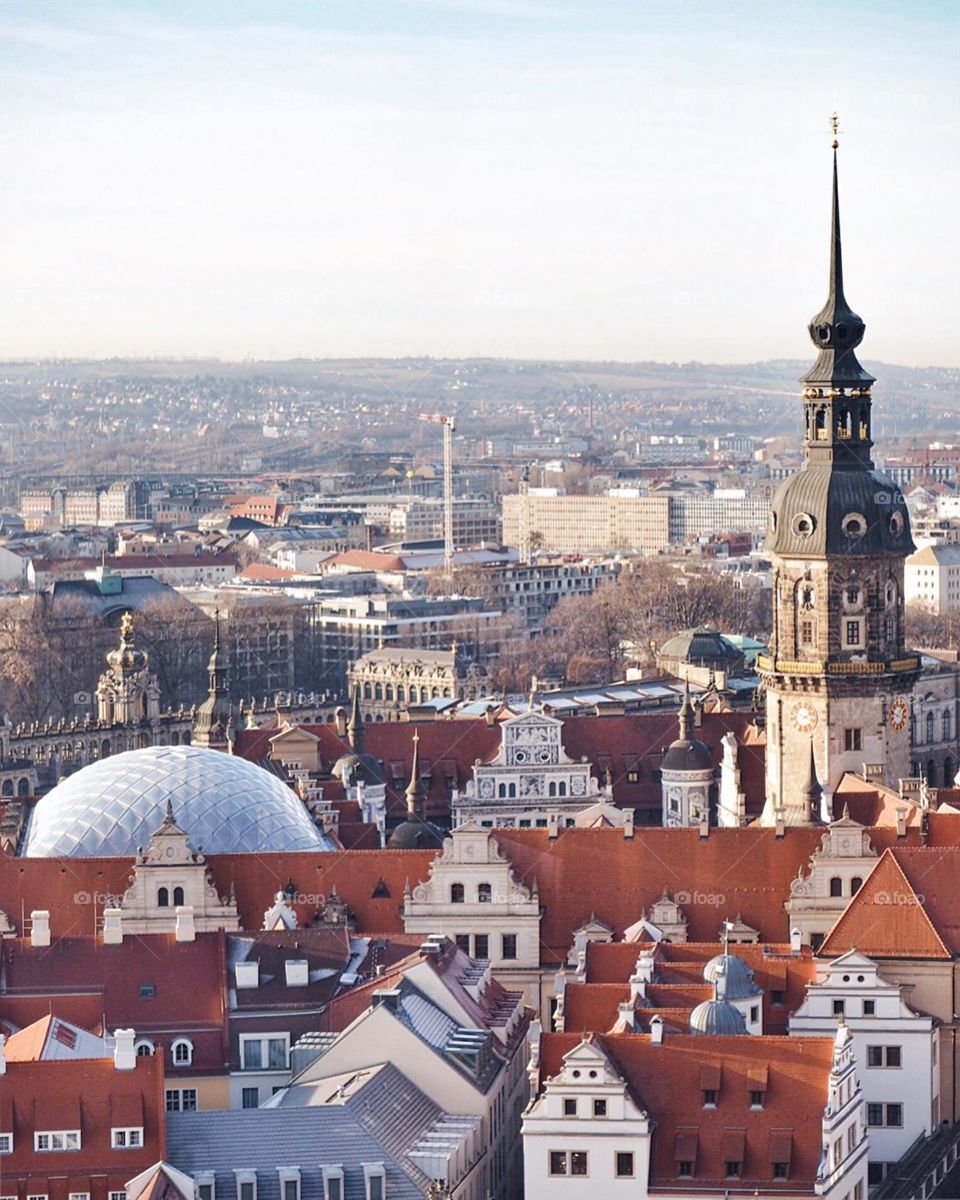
<point>837,678</point>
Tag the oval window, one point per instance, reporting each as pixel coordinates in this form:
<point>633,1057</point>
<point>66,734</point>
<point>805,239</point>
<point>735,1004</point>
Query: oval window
<point>854,525</point>
<point>896,523</point>
<point>803,524</point>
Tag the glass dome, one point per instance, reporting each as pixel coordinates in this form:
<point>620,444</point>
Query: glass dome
<point>225,805</point>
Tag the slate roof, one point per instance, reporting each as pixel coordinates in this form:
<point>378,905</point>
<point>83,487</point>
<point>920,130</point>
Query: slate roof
<point>382,1120</point>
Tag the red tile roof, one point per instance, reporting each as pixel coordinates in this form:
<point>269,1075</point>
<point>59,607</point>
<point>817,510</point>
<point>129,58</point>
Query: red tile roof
<point>907,907</point>
<point>93,1089</point>
<point>667,1081</point>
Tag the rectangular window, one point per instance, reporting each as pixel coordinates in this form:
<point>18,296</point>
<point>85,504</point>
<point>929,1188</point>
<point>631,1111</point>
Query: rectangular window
<point>624,1164</point>
<point>6,1143</point>
<point>869,1008</point>
<point>709,1098</point>
<point>375,1187</point>
<point>68,1139</point>
<point>895,1116</point>
<point>260,1053</point>
<point>756,1099</point>
<point>181,1099</point>
<point>777,997</point>
<point>599,1108</point>
<point>839,1008</point>
<point>853,633</point>
<point>733,1170</point>
<point>569,1106</point>
<point>291,1189</point>
<point>558,1162</point>
<point>806,632</point>
<point>874,1056</point>
<point>875,1115</point>
<point>853,739</point>
<point>248,1190</point>
<point>126,1139</point>
<point>78,1196</point>
<point>508,945</point>
<point>685,1169</point>
<point>116,1196</point>
<point>893,1056</point>
<point>205,1191</point>
<point>250,1097</point>
<point>578,1162</point>
<point>481,945</point>
<point>780,1170</point>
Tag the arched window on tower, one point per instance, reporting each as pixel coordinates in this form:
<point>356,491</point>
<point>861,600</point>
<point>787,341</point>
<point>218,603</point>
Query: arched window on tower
<point>844,424</point>
<point>947,725</point>
<point>930,734</point>
<point>163,898</point>
<point>836,886</point>
<point>178,896</point>
<point>820,425</point>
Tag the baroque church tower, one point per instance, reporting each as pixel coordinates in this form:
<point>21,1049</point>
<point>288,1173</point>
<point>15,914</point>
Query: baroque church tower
<point>837,679</point>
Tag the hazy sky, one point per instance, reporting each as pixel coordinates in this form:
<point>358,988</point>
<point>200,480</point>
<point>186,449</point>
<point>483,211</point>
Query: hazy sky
<point>567,178</point>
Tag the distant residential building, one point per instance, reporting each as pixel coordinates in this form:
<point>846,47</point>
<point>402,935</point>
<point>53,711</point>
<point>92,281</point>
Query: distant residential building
<point>546,520</point>
<point>534,589</point>
<point>177,570</point>
<point>931,578</point>
<point>103,504</point>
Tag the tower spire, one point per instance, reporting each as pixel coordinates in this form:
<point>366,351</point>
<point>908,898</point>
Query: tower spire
<point>355,724</point>
<point>686,713</point>
<point>837,330</point>
<point>414,788</point>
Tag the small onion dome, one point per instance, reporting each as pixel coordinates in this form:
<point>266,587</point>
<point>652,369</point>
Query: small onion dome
<point>717,1017</point>
<point>416,835</point>
<point>739,983</point>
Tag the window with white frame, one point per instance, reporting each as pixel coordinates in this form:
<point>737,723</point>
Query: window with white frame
<point>60,1139</point>
<point>127,1138</point>
<point>332,1182</point>
<point>6,1143</point>
<point>144,1048</point>
<point>375,1178</point>
<point>34,1196</point>
<point>246,1184</point>
<point>289,1183</point>
<point>206,1185</point>
<point>116,1196</point>
<point>264,1053</point>
<point>182,1052</point>
<point>78,1196</point>
<point>181,1100</point>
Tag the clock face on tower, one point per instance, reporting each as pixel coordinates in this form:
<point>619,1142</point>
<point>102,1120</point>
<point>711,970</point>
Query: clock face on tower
<point>899,713</point>
<point>803,717</point>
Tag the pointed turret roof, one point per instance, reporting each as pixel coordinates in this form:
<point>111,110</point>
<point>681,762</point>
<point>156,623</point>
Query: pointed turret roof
<point>837,330</point>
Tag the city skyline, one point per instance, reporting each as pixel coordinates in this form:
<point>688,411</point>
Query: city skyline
<point>453,178</point>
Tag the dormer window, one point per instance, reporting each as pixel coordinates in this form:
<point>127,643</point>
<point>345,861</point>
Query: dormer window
<point>756,1099</point>
<point>709,1098</point>
<point>246,1184</point>
<point>375,1178</point>
<point>144,1048</point>
<point>53,1140</point>
<point>332,1182</point>
<point>181,1051</point>
<point>126,1139</point>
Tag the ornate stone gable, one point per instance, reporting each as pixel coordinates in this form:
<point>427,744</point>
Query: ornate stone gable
<point>836,870</point>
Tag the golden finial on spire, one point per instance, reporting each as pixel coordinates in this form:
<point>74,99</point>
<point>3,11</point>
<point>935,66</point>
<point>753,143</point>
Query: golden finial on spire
<point>835,128</point>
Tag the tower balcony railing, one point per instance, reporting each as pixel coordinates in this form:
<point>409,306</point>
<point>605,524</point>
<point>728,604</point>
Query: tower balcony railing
<point>781,666</point>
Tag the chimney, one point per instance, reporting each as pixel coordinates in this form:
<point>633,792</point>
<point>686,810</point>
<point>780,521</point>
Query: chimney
<point>901,824</point>
<point>40,928</point>
<point>112,927</point>
<point>124,1055</point>
<point>3,1055</point>
<point>656,1031</point>
<point>490,715</point>
<point>185,931</point>
<point>780,827</point>
<point>297,972</point>
<point>795,939</point>
<point>340,718</point>
<point>388,997</point>
<point>628,825</point>
<point>627,1015</point>
<point>553,827</point>
<point>247,974</point>
<point>704,825</point>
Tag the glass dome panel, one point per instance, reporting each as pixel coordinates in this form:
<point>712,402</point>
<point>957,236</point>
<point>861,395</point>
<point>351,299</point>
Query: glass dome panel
<point>225,805</point>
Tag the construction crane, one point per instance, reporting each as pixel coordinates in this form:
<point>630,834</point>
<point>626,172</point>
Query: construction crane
<point>449,425</point>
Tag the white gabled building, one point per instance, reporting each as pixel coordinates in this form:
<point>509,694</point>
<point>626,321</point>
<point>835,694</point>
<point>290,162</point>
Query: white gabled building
<point>894,1046</point>
<point>530,778</point>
